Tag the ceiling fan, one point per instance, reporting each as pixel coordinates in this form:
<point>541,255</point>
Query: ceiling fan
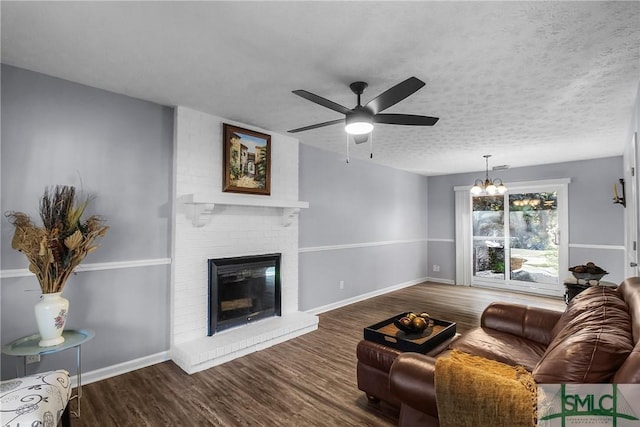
<point>359,120</point>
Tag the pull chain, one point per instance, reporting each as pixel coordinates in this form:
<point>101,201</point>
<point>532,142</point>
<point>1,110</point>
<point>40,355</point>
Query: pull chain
<point>347,148</point>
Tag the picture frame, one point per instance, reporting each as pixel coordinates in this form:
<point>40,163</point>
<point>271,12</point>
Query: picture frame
<point>247,161</point>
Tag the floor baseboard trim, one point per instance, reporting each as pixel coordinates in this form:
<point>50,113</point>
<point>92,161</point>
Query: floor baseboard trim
<point>358,298</point>
<point>441,280</point>
<point>120,368</point>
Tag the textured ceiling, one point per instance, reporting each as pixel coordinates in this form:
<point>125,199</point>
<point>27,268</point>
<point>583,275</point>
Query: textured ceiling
<point>529,82</point>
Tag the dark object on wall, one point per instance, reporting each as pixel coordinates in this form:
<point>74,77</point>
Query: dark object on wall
<point>616,197</point>
<point>247,161</point>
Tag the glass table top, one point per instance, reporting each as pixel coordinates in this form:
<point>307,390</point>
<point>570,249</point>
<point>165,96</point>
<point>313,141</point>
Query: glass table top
<point>28,346</point>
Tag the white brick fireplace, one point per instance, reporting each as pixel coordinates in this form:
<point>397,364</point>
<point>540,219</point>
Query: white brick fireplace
<point>213,224</point>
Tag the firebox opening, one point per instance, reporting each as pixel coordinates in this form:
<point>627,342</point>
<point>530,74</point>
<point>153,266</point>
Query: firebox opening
<point>243,289</point>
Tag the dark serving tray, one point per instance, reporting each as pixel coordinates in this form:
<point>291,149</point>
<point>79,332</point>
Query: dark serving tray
<point>388,334</point>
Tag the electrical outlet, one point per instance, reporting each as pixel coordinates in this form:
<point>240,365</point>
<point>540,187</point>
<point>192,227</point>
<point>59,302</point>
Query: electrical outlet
<point>436,267</point>
<point>341,284</point>
<point>35,358</point>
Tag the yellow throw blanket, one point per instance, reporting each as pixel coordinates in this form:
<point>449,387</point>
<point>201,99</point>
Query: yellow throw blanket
<point>472,391</point>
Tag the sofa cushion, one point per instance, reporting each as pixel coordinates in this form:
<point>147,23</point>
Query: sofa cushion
<point>587,300</point>
<point>501,346</point>
<point>591,340</point>
<point>532,323</point>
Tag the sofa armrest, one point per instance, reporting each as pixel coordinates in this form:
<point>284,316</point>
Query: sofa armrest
<point>533,323</point>
<point>411,380</point>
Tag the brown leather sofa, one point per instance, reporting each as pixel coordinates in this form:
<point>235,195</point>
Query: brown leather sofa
<point>596,339</point>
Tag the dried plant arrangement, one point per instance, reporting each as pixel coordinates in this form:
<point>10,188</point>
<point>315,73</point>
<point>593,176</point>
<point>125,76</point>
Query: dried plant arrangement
<point>59,246</point>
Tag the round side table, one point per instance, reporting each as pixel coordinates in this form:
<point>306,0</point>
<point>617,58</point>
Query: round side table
<point>73,338</point>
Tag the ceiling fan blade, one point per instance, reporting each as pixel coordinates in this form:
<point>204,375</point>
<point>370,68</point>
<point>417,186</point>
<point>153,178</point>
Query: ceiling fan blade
<point>394,95</point>
<point>317,125</point>
<point>361,139</point>
<point>405,119</point>
<point>322,101</point>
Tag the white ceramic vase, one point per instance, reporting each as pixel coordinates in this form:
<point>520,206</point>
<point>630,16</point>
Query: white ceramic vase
<point>51,315</point>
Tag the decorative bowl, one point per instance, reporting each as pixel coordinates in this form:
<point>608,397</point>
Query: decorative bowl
<point>403,328</point>
<point>411,329</point>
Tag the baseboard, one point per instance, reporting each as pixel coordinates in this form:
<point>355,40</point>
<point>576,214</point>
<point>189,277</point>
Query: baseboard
<point>120,368</point>
<point>366,296</point>
<point>440,280</point>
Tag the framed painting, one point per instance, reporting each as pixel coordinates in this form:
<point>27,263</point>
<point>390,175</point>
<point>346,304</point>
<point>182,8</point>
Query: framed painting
<point>247,161</point>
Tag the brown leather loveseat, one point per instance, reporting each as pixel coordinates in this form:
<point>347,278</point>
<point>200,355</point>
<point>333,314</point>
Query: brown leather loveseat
<point>596,340</point>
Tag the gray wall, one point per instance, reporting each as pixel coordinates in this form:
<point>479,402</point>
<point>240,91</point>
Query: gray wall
<point>593,218</point>
<point>120,149</point>
<point>378,213</point>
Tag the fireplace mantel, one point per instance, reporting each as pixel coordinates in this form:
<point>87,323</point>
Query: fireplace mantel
<point>202,205</point>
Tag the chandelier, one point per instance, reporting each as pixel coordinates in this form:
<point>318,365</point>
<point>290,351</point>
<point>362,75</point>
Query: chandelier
<point>488,187</point>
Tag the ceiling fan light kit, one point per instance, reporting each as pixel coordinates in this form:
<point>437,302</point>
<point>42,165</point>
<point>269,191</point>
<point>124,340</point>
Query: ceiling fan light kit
<point>358,123</point>
<point>488,187</point>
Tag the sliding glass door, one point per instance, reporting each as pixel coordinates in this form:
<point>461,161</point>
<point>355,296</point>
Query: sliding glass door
<point>516,239</point>
<point>489,237</point>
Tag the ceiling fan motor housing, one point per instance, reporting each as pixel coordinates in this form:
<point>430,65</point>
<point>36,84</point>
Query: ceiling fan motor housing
<point>358,88</point>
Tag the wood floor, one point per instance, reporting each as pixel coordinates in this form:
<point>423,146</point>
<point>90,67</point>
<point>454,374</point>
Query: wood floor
<point>307,381</point>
